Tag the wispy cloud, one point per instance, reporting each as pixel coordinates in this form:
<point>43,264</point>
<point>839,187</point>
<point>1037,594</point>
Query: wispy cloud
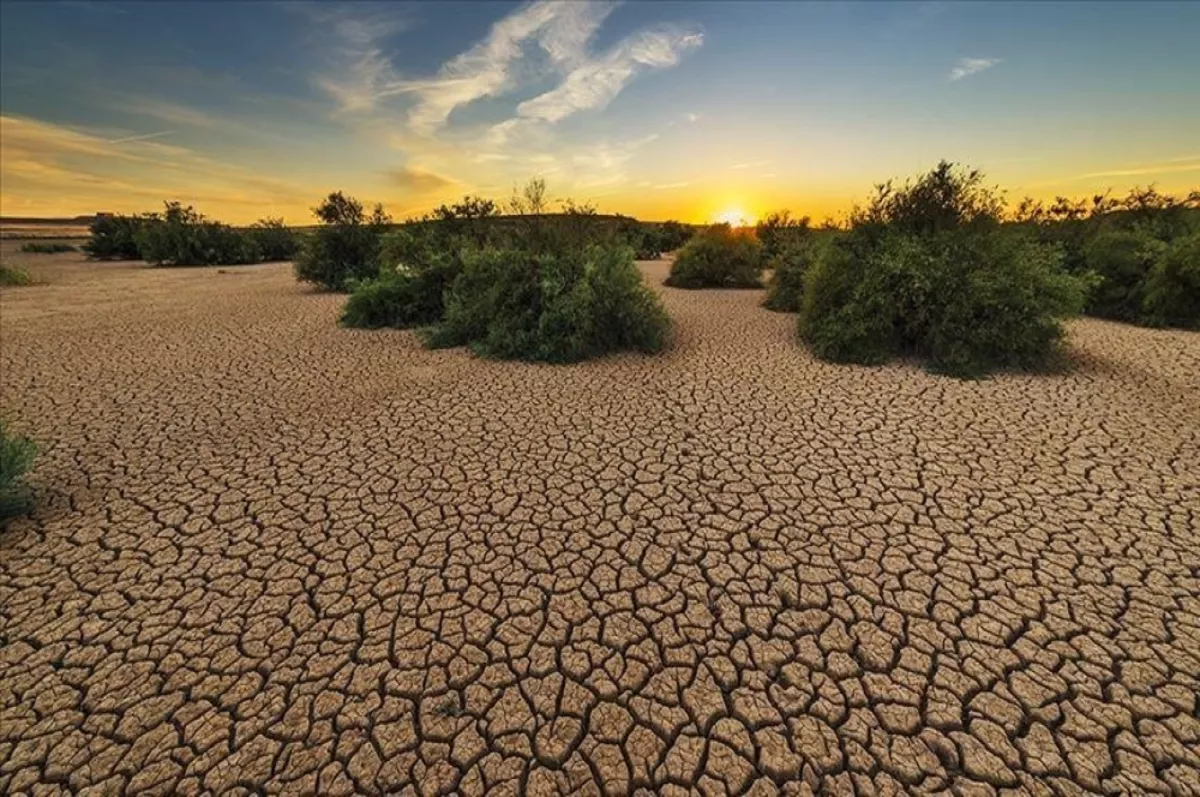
<point>594,82</point>
<point>1164,167</point>
<point>419,181</point>
<point>750,164</point>
<point>502,62</point>
<point>971,66</point>
<point>143,137</point>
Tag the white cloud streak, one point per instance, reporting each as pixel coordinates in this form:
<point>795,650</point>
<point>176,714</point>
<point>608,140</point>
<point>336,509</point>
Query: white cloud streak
<point>971,66</point>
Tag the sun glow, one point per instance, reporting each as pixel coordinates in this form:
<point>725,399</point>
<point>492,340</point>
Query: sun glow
<point>734,217</point>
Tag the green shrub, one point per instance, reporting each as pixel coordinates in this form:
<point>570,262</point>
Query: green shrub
<point>553,307</point>
<point>14,277</point>
<point>1172,296</point>
<point>779,231</point>
<point>345,248</point>
<point>183,237</point>
<point>273,240</point>
<point>718,257</point>
<point>1123,261</point>
<point>16,458</point>
<point>786,287</point>
<point>969,301</point>
<point>40,248</point>
<point>927,270</point>
<point>115,237</point>
<point>674,234</point>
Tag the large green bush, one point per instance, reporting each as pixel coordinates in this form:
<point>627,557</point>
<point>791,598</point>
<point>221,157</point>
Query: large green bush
<point>1172,296</point>
<point>780,231</point>
<point>1123,261</point>
<point>181,236</point>
<point>273,240</point>
<point>786,286</point>
<point>414,275</point>
<point>345,248</point>
<point>114,237</point>
<point>16,458</point>
<point>718,257</point>
<point>553,307</point>
<point>927,270</point>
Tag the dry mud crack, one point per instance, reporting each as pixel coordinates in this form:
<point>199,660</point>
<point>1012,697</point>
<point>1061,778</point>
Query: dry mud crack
<point>275,556</point>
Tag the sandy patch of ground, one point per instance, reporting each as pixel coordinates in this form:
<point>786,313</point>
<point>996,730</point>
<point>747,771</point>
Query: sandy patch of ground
<point>272,554</point>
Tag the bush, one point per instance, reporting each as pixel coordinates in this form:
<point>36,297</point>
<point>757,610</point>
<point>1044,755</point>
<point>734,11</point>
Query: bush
<point>553,307</point>
<point>272,240</point>
<point>1123,261</point>
<point>13,277</point>
<point>718,257</point>
<point>674,234</point>
<point>115,237</point>
<point>184,237</point>
<point>16,458</point>
<point>1172,296</point>
<point>345,248</point>
<point>786,287</point>
<point>39,248</point>
<point>927,270</point>
<point>410,289</point>
<point>779,231</point>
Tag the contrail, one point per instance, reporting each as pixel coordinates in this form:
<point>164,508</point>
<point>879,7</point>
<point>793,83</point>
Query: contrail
<point>141,138</point>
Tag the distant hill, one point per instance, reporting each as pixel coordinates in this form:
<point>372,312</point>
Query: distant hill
<point>30,221</point>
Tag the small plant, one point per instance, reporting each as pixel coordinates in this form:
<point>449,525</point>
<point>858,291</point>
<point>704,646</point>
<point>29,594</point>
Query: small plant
<point>552,307</point>
<point>39,248</point>
<point>718,257</point>
<point>1172,296</point>
<point>16,458</point>
<point>345,248</point>
<point>13,277</point>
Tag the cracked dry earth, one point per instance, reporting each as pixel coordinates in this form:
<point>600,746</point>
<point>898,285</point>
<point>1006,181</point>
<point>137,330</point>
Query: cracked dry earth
<point>276,556</point>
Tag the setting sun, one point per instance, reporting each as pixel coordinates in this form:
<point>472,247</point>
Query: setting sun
<point>734,217</point>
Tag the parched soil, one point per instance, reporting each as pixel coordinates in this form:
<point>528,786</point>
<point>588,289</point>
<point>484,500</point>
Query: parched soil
<point>272,555</point>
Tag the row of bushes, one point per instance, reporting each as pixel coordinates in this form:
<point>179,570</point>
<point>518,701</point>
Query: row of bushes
<point>44,248</point>
<point>181,236</point>
<point>533,286</point>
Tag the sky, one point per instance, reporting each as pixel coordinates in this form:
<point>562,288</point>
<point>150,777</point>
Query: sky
<point>694,111</point>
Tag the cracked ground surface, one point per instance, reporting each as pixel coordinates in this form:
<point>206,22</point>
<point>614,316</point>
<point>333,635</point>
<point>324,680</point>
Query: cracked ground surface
<point>272,555</point>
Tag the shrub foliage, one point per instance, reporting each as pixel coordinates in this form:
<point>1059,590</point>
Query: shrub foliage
<point>927,270</point>
<point>1172,295</point>
<point>788,267</point>
<point>554,307</point>
<point>114,237</point>
<point>42,248</point>
<point>13,277</point>
<point>718,257</point>
<point>345,248</point>
<point>16,458</point>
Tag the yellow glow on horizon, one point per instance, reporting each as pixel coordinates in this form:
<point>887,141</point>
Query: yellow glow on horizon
<point>735,217</point>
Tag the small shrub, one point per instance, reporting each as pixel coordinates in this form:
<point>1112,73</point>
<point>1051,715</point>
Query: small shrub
<point>1123,261</point>
<point>39,248</point>
<point>1172,296</point>
<point>273,240</point>
<point>115,237</point>
<point>553,307</point>
<point>718,257</point>
<point>674,234</point>
<point>16,458</point>
<point>13,277</point>
<point>345,248</point>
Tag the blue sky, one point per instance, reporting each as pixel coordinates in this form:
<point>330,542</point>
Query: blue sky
<point>660,109</point>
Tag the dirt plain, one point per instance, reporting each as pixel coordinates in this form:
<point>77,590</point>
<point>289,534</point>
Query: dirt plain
<point>275,556</point>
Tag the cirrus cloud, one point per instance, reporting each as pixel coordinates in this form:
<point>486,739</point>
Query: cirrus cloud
<point>971,66</point>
